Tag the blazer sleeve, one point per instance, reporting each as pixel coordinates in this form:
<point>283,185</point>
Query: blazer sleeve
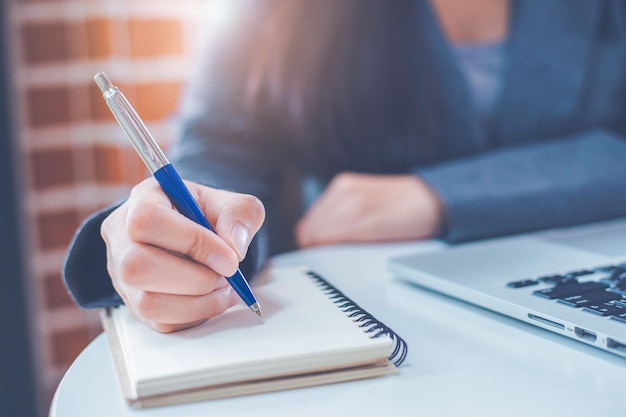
<point>85,266</point>
<point>551,183</point>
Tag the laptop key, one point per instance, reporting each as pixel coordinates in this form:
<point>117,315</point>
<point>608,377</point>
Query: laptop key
<point>581,272</point>
<point>621,318</point>
<point>589,298</point>
<point>564,291</point>
<point>522,283</point>
<point>609,268</point>
<point>616,278</point>
<point>558,279</point>
<point>619,289</point>
<point>605,309</point>
<point>621,302</point>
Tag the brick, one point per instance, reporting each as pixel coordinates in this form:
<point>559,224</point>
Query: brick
<point>155,37</point>
<point>157,101</point>
<point>80,94</point>
<point>66,345</point>
<point>99,38</point>
<point>55,293</point>
<point>134,169</point>
<point>44,42</point>
<point>76,39</point>
<point>55,229</point>
<point>48,106</point>
<point>108,164</point>
<point>52,105</point>
<point>52,168</point>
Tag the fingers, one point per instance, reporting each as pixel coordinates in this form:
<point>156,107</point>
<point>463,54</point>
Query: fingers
<point>166,313</point>
<point>152,220</point>
<point>167,229</point>
<point>163,290</point>
<point>168,269</point>
<point>152,269</point>
<point>235,217</point>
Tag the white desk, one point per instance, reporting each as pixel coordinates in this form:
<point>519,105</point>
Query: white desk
<point>462,361</point>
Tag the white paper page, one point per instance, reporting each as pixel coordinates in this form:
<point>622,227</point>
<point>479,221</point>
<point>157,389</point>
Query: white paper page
<point>301,330</point>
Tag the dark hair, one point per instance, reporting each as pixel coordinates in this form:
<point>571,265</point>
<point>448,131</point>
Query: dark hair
<point>343,71</point>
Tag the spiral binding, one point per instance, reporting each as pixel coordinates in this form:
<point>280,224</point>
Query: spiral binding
<point>365,320</point>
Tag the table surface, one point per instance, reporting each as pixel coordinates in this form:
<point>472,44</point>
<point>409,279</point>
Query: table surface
<point>463,360</point>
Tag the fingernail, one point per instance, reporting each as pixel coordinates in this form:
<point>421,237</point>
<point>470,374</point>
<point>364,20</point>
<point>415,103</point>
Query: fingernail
<point>221,264</point>
<point>239,235</point>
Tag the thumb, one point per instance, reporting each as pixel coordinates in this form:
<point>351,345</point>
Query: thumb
<point>240,219</point>
<point>235,217</point>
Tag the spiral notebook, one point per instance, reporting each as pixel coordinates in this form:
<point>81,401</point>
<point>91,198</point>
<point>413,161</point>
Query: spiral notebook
<point>310,334</point>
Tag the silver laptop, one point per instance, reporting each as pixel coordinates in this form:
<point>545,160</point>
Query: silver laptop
<point>571,281</point>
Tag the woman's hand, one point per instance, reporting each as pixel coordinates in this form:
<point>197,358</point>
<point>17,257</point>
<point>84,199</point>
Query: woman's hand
<point>371,208</point>
<point>169,270</point>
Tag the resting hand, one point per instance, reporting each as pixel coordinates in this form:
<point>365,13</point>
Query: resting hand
<point>169,270</point>
<point>371,208</point>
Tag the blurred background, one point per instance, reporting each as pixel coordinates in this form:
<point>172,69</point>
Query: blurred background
<point>63,157</point>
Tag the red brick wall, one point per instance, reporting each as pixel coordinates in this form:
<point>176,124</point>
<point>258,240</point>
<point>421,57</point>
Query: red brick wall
<point>74,156</point>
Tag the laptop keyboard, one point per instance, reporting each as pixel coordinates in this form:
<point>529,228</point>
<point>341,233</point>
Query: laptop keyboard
<point>600,291</point>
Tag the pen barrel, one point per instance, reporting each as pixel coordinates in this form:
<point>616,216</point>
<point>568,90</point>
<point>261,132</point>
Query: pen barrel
<point>179,195</point>
<point>241,287</point>
<point>183,201</point>
<point>163,171</point>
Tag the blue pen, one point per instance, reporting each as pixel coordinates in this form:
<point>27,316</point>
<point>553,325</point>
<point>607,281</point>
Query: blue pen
<point>164,172</point>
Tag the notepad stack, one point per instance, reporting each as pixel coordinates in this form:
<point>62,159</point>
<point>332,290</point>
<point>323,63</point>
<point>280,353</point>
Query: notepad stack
<point>310,334</point>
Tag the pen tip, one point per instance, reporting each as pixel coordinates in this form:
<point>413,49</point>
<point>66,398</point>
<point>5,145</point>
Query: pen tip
<point>257,309</point>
